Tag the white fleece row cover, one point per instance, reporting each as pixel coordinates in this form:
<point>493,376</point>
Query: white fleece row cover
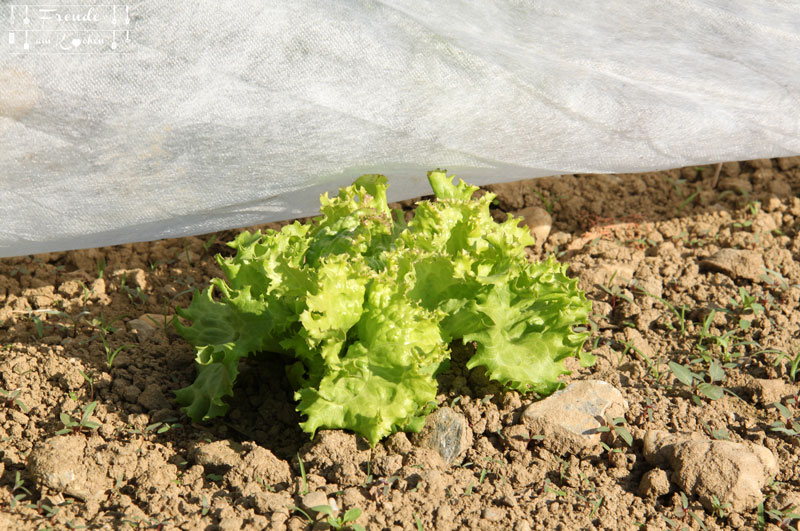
<point>163,118</point>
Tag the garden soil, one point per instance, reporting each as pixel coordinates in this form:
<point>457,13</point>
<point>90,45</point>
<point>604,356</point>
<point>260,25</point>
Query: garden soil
<point>693,265</point>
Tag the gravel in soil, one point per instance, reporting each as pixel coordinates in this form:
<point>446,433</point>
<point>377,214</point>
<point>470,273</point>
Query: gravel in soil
<point>695,285</point>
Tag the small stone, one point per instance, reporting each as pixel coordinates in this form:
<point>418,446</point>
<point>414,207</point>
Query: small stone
<point>447,432</point>
<point>493,514</point>
<point>508,501</point>
<point>736,263</point>
<point>569,418</point>
<point>522,525</point>
<point>313,499</point>
<point>60,464</point>
<point>654,483</point>
<point>733,472</point>
<point>142,328</point>
<point>539,222</point>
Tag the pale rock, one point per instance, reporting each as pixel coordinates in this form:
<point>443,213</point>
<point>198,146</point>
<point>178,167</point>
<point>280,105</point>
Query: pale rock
<point>736,263</point>
<point>313,499</point>
<point>143,329</point>
<point>61,464</point>
<point>522,525</point>
<point>493,514</point>
<point>733,472</point>
<point>446,432</point>
<point>539,222</point>
<point>569,418</point>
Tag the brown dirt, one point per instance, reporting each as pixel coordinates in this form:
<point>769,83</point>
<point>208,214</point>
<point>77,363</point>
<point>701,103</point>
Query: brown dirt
<point>658,232</point>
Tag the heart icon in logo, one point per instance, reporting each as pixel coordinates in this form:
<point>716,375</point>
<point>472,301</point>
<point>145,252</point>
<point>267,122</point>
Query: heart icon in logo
<point>76,42</point>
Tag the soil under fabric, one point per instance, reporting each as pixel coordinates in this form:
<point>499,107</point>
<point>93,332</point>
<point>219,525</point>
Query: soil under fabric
<point>682,266</point>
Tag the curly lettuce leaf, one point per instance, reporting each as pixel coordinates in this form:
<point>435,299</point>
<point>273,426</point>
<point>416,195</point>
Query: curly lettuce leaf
<point>386,376</point>
<point>529,331</point>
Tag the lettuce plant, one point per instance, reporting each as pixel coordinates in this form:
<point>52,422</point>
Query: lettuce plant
<point>363,306</point>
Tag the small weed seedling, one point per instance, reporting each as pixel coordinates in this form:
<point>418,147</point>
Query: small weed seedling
<point>718,508</point>
<point>164,323</point>
<point>90,381</point>
<point>103,326</point>
<point>682,511</point>
<point>18,491</point>
<point>614,292</point>
<point>156,427</point>
<point>548,202</point>
<point>112,354</point>
<point>720,434</point>
<point>789,425</point>
<point>783,516</point>
<point>696,381</point>
<point>794,363</point>
<point>78,426</point>
<point>304,489</point>
<point>74,319</point>
<point>615,426</point>
<point>12,399</point>
<point>680,315</point>
<point>342,522</point>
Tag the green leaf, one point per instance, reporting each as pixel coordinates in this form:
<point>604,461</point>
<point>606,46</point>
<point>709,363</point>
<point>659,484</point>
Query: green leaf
<point>386,377</point>
<point>710,391</point>
<point>716,373</point>
<point>684,375</point>
<point>625,434</point>
<point>529,328</point>
<point>323,509</point>
<point>352,515</point>
<point>87,411</point>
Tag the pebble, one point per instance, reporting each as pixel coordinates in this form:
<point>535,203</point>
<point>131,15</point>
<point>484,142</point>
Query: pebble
<point>568,419</point>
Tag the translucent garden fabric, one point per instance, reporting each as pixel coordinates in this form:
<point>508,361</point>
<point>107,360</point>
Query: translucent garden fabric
<point>210,115</point>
